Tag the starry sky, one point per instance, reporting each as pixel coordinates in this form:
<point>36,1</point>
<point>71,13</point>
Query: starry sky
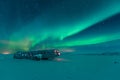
<point>85,25</point>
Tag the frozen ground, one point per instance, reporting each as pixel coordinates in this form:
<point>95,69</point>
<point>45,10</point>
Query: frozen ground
<point>72,67</point>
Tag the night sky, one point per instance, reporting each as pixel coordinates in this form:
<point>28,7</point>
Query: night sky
<point>85,25</point>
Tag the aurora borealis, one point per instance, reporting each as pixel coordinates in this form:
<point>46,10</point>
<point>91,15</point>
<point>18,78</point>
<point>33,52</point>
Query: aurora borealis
<point>39,24</point>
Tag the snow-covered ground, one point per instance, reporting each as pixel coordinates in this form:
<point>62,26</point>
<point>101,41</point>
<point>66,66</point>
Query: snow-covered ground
<point>66,67</point>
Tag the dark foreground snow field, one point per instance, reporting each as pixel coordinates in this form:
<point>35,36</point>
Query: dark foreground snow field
<point>71,67</point>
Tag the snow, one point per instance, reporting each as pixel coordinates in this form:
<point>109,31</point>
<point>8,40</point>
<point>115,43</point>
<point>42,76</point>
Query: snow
<point>65,67</point>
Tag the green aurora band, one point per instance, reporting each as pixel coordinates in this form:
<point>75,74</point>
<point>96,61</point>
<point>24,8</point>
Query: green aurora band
<point>92,40</point>
<point>30,35</point>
